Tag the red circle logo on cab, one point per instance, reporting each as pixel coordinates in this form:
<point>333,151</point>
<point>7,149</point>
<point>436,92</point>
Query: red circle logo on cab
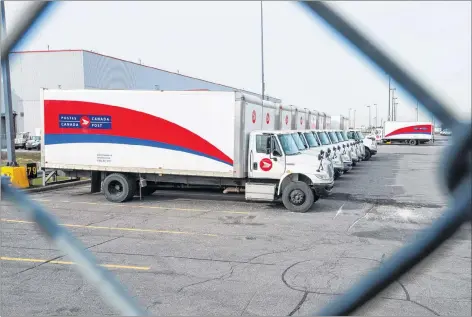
<point>265,164</point>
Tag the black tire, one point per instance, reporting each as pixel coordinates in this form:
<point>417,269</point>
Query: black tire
<point>413,142</point>
<point>337,175</point>
<point>118,188</point>
<point>367,154</point>
<point>146,191</point>
<point>298,197</point>
<point>354,163</point>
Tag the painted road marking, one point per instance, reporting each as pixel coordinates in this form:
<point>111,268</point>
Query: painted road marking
<point>139,206</point>
<point>110,266</point>
<point>115,228</point>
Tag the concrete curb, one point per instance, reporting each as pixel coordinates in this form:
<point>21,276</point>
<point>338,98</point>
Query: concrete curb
<point>56,186</point>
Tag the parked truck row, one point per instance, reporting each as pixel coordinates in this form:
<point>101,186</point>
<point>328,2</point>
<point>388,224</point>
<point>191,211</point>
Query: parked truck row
<point>132,143</point>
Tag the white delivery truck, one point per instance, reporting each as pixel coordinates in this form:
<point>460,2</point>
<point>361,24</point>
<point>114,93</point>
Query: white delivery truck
<point>131,142</point>
<point>412,133</point>
<point>370,145</point>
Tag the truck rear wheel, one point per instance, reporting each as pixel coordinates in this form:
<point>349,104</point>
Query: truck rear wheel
<point>119,188</point>
<point>413,142</point>
<point>298,197</point>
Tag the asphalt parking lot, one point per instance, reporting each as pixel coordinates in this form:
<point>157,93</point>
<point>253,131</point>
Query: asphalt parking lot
<point>205,253</point>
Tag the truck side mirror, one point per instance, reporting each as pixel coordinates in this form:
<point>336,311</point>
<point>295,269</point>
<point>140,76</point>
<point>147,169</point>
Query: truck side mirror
<point>276,153</point>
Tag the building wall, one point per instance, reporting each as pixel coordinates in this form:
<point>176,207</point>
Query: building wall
<point>109,73</point>
<point>30,71</point>
<point>104,72</point>
<point>78,69</point>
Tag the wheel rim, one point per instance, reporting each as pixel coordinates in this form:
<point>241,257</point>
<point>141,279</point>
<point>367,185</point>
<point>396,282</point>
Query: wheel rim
<point>297,197</point>
<point>115,188</point>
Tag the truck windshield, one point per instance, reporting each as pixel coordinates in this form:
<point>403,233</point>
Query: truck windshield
<point>311,139</point>
<point>288,144</point>
<point>324,138</point>
<point>302,138</point>
<point>352,135</point>
<point>333,137</point>
<point>339,136</point>
<point>344,134</point>
<point>298,141</point>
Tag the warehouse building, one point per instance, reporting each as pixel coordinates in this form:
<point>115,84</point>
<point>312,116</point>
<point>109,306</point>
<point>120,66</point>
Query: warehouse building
<point>79,69</point>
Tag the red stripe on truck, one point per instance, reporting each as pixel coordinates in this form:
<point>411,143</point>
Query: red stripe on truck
<point>414,129</point>
<point>127,123</point>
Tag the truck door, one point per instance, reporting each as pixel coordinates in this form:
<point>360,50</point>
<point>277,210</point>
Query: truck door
<point>266,159</point>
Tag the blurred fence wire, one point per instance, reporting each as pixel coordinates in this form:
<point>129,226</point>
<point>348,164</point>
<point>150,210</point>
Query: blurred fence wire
<point>457,165</point>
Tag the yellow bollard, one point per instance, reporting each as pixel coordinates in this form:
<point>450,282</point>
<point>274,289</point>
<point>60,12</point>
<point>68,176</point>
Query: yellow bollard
<point>17,174</point>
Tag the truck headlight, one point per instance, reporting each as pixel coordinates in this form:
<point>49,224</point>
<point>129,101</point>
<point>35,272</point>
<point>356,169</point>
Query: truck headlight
<point>322,176</point>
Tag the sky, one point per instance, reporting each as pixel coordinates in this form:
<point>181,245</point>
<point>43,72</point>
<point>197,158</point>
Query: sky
<point>305,64</point>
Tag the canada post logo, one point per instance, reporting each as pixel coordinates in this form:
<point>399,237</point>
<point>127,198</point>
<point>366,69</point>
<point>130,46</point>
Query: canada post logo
<point>82,121</point>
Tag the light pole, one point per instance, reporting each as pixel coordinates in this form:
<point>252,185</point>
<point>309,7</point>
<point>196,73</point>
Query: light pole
<point>376,115</point>
<point>354,119</point>
<point>389,80</point>
<point>391,116</point>
<point>370,126</point>
<point>262,54</point>
<point>416,110</point>
<point>350,126</point>
<point>394,109</point>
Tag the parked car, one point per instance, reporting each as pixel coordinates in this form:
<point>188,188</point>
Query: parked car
<point>34,143</point>
<point>446,132</point>
<point>21,139</point>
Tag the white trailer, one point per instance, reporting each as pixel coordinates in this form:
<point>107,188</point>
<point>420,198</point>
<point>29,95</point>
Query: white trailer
<point>133,142</point>
<point>327,122</point>
<point>298,118</point>
<point>311,119</point>
<point>339,123</point>
<point>412,133</point>
<point>322,121</point>
<point>285,117</point>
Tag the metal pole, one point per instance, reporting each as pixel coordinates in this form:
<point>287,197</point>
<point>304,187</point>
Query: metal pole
<point>389,79</point>
<point>354,118</point>
<point>376,115</point>
<point>262,53</point>
<point>370,125</point>
<point>392,116</point>
<point>417,111</point>
<point>6,94</point>
<point>350,125</point>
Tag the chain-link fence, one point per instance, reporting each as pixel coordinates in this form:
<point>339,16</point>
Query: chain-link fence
<point>457,163</point>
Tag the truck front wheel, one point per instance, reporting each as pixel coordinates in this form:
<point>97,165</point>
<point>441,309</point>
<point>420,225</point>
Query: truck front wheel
<point>119,188</point>
<point>298,197</point>
<point>367,154</point>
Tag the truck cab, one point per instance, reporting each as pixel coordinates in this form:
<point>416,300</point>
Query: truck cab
<point>274,157</point>
<point>306,141</point>
<point>338,143</point>
<point>355,147</point>
<point>369,143</point>
<point>352,135</point>
<point>332,152</point>
<point>348,150</point>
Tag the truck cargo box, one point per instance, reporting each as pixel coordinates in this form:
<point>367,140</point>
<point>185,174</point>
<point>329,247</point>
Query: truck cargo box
<point>405,131</point>
<point>201,133</point>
